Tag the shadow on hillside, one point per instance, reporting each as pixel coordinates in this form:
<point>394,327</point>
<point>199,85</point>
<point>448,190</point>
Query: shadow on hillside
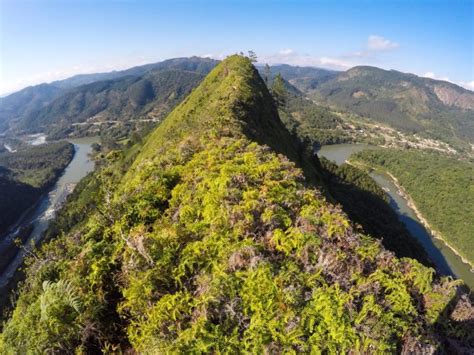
<point>371,212</point>
<point>455,324</point>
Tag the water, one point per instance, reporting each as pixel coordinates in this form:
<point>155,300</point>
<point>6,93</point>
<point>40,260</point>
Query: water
<point>444,258</point>
<point>45,210</point>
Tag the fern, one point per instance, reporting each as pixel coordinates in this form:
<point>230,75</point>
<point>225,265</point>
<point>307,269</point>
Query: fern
<point>58,297</point>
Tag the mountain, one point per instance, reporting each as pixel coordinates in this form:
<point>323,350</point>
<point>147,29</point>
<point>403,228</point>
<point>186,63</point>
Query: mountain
<point>23,106</point>
<point>25,101</point>
<point>194,64</point>
<point>406,102</point>
<point>436,184</point>
<point>129,98</point>
<point>209,237</point>
<point>303,78</point>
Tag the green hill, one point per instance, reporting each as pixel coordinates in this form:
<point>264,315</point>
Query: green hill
<point>43,106</point>
<point>208,238</point>
<point>407,102</point>
<point>93,107</point>
<point>24,102</point>
<point>303,78</point>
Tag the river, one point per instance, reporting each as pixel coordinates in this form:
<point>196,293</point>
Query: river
<point>40,216</point>
<point>444,258</point>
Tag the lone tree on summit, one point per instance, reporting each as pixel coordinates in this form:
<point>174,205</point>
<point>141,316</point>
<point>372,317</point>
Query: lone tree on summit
<point>252,56</point>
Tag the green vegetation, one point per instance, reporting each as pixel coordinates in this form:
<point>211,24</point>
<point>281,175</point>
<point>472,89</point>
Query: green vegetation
<point>442,189</point>
<point>128,103</point>
<point>305,79</point>
<point>15,198</point>
<point>208,238</point>
<point>311,123</point>
<point>44,107</point>
<point>367,204</point>
<point>26,174</point>
<point>39,165</point>
<point>409,103</point>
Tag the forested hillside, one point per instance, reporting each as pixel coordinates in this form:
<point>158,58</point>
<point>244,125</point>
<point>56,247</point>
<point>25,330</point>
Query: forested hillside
<point>96,107</point>
<point>312,123</point>
<point>53,107</point>
<point>26,174</point>
<point>209,238</point>
<point>24,102</point>
<point>442,189</point>
<point>367,204</point>
<point>304,79</point>
<point>433,108</point>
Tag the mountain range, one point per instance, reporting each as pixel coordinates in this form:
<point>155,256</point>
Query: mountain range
<point>80,97</point>
<point>216,234</point>
<point>406,102</point>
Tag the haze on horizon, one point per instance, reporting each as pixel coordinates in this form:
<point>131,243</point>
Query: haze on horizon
<point>47,40</point>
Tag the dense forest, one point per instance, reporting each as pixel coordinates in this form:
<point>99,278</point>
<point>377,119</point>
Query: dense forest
<point>213,235</point>
<point>26,174</point>
<point>100,106</point>
<point>442,189</point>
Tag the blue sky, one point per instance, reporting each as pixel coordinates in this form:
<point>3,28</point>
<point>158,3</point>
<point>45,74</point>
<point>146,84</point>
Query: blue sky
<point>45,40</point>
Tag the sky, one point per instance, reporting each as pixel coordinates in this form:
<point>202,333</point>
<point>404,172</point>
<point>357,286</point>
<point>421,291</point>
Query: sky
<point>46,40</point>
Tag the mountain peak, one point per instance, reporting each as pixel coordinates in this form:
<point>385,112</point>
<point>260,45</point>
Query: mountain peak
<point>233,101</point>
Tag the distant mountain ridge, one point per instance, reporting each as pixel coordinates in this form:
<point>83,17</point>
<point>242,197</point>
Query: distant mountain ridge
<point>25,104</point>
<point>129,98</point>
<point>409,103</point>
<point>405,101</point>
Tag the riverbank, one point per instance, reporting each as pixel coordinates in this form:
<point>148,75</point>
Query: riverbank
<point>41,215</point>
<point>411,204</point>
<point>403,193</point>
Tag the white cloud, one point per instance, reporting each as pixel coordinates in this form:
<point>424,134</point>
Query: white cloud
<point>47,77</point>
<point>379,43</point>
<point>335,62</point>
<point>290,56</point>
<point>432,75</point>
<point>367,55</point>
<point>220,56</point>
<point>286,51</point>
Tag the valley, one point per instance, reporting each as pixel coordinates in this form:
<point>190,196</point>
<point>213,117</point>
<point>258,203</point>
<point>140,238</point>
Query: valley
<point>237,177</point>
<point>36,220</point>
<point>436,185</point>
<point>170,188</point>
<point>223,214</point>
<point>26,172</point>
<point>446,258</point>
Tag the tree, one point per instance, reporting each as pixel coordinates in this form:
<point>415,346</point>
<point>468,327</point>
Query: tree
<point>267,74</point>
<point>252,56</point>
<point>279,91</point>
